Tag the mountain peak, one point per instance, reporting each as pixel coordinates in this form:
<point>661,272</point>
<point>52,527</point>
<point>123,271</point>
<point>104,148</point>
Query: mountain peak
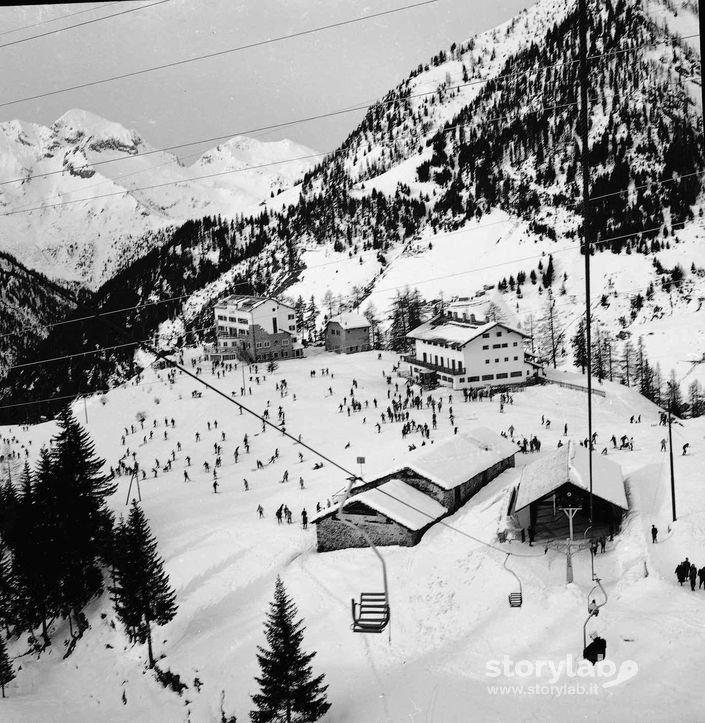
<point>77,124</point>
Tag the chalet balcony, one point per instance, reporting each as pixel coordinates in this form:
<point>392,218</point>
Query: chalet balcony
<point>458,371</point>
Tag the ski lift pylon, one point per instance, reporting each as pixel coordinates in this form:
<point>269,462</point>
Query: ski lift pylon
<point>371,614</point>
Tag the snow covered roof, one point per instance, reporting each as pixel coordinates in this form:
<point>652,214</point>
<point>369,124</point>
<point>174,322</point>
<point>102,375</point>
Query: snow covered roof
<point>451,331</point>
<point>248,303</point>
<point>462,456</point>
<point>402,503</point>
<point>350,321</point>
<point>570,464</point>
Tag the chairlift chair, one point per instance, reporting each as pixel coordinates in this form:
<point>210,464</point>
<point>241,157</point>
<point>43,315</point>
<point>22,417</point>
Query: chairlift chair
<point>597,649</point>
<point>371,614</point>
<point>515,598</point>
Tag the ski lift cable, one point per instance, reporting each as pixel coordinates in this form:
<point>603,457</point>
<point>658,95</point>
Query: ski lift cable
<point>353,108</point>
<point>82,24</point>
<point>306,119</point>
<point>102,6</point>
<point>163,356</point>
<point>219,53</point>
<point>385,289</point>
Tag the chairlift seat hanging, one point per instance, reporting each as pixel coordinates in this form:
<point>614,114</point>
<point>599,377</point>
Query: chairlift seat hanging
<point>515,599</point>
<point>371,614</point>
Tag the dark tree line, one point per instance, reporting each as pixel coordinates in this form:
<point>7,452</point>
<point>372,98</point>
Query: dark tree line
<point>58,539</point>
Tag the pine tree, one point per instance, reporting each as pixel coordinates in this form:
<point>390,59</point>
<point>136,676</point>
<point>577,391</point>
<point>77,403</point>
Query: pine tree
<point>627,363</point>
<point>7,674</point>
<point>8,591</point>
<point>312,314</point>
<point>71,504</point>
<point>579,344</point>
<point>289,693</point>
<point>696,402</point>
<point>300,311</point>
<point>142,593</point>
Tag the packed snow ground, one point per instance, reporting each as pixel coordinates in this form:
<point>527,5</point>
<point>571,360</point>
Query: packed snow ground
<point>450,615</point>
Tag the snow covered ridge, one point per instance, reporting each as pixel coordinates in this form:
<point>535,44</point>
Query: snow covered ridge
<point>100,195</point>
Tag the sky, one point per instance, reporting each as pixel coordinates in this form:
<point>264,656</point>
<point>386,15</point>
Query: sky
<point>237,92</point>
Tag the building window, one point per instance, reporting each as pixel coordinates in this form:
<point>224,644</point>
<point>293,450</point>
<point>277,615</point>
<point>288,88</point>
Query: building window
<point>242,321</point>
<point>487,377</point>
<point>258,345</point>
<point>242,332</point>
<point>499,333</point>
<point>291,328</point>
<point>487,361</point>
<point>516,358</point>
<point>506,358</point>
<point>515,374</point>
<point>496,346</point>
<point>486,346</point>
<point>496,361</point>
<point>285,342</point>
<point>424,356</point>
<point>291,316</point>
<point>502,375</point>
<point>222,318</point>
<point>504,346</point>
<point>486,336</point>
<point>462,379</point>
<point>514,344</point>
<point>266,344</point>
<point>473,379</point>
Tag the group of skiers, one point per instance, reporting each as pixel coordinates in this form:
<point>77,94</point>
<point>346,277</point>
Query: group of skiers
<point>687,571</point>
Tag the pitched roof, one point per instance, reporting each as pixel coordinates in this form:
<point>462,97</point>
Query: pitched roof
<point>350,321</point>
<point>402,503</point>
<point>399,501</point>
<point>457,459</point>
<point>570,464</point>
<point>451,331</point>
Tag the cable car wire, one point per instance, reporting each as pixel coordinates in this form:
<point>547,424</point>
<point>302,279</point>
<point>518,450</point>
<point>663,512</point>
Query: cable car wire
<point>86,22</point>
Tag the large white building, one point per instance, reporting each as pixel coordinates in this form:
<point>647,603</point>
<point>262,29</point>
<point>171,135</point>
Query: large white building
<point>473,353</point>
<point>254,328</point>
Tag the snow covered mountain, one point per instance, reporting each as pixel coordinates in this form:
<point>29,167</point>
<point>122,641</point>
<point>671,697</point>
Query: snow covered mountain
<point>86,196</point>
<point>466,176</point>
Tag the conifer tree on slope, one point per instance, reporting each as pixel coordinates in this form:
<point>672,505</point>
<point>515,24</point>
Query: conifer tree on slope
<point>8,591</point>
<point>36,565</point>
<point>72,505</point>
<point>289,693</point>
<point>142,593</point>
<point>7,674</point>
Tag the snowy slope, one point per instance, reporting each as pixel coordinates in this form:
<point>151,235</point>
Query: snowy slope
<point>450,616</point>
<point>86,196</point>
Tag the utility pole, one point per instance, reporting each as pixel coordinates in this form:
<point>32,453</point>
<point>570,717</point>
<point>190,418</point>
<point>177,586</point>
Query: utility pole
<point>670,453</point>
<point>585,162</point>
<point>701,19</point>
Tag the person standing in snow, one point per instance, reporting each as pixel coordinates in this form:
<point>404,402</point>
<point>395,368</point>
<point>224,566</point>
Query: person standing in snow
<point>245,482</point>
<point>685,448</point>
<point>692,574</point>
<point>654,533</point>
<point>663,445</point>
<point>215,486</point>
<point>304,519</point>
<point>701,576</point>
<point>260,511</point>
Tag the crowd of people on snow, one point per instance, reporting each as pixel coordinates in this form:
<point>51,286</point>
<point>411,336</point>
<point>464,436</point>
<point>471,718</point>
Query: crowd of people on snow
<point>688,571</point>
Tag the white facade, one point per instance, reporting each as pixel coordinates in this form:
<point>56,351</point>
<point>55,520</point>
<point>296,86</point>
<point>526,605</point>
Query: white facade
<point>235,315</point>
<point>260,328</point>
<point>466,355</point>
